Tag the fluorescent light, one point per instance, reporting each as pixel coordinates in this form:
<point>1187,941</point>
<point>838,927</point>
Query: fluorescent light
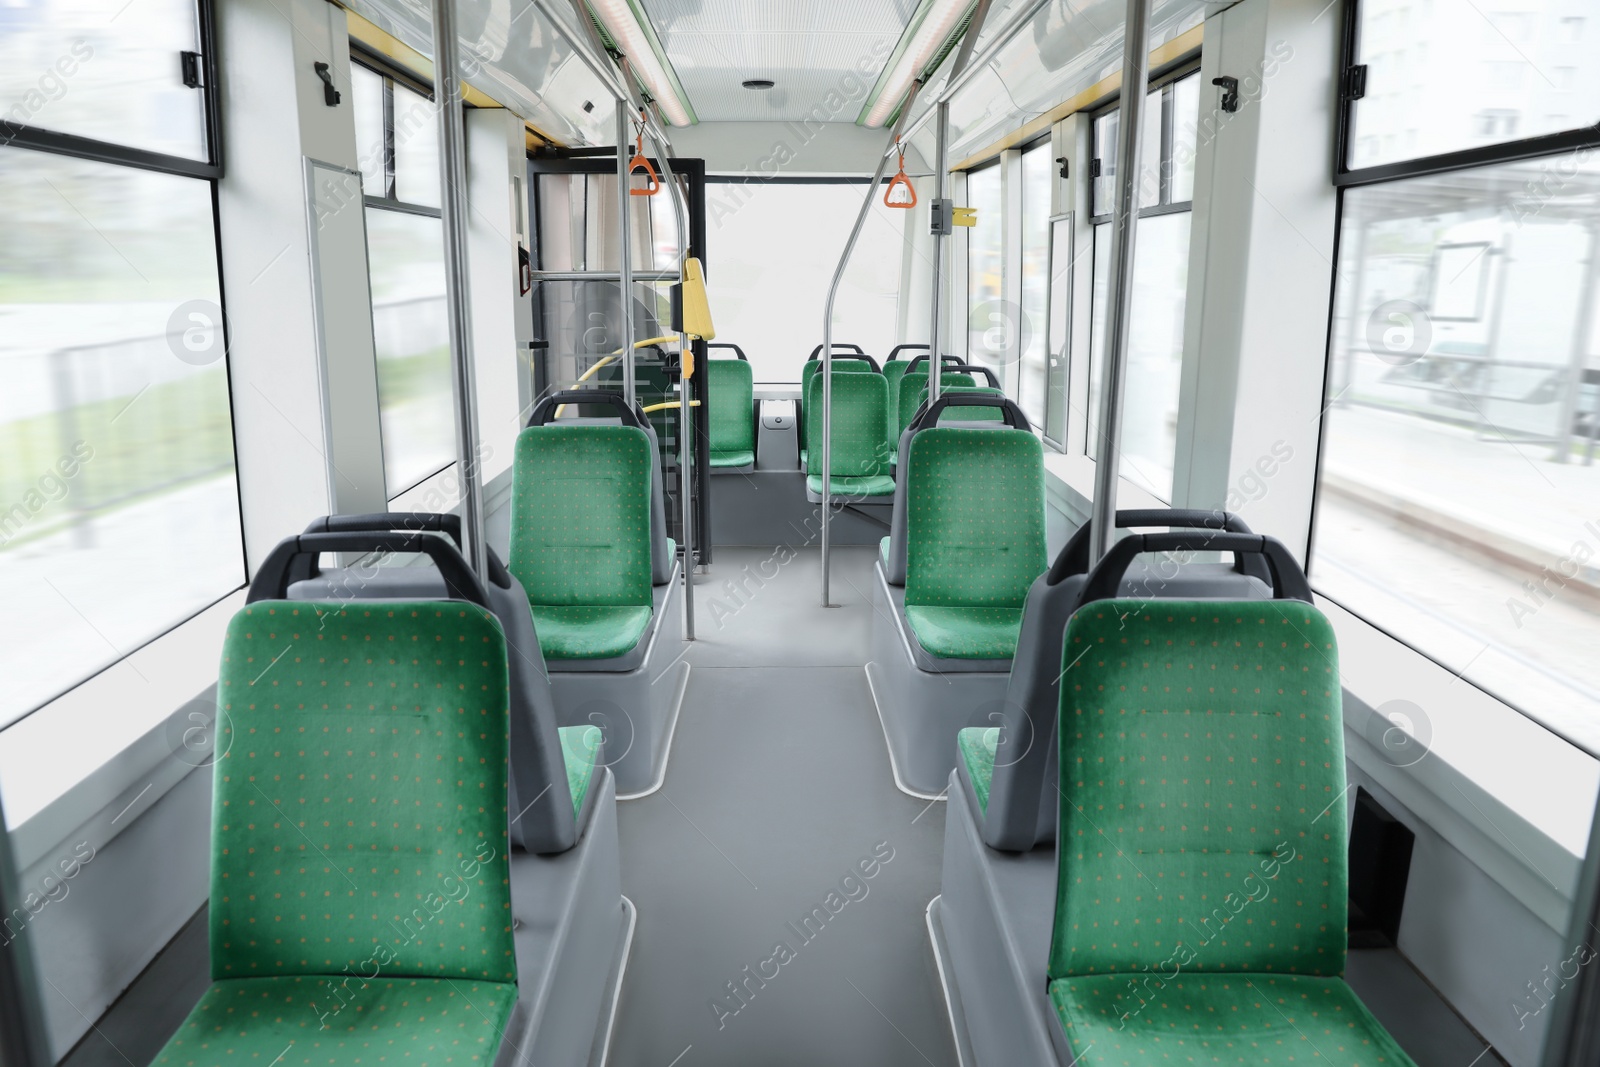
<point>940,19</point>
<point>625,26</point>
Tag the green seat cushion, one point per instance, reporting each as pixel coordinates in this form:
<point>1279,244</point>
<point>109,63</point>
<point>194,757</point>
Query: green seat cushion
<point>966,633</point>
<point>976,745</point>
<point>580,515</point>
<point>745,458</point>
<point>588,631</point>
<point>359,806</point>
<point>343,1019</point>
<point>579,747</point>
<point>841,485</point>
<point>883,552</point>
<point>1198,1019</point>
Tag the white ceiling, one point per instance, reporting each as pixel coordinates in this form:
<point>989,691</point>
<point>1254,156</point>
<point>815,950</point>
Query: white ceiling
<point>815,50</point>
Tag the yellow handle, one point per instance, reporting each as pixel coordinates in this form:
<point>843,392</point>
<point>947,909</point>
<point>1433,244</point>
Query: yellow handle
<point>670,404</point>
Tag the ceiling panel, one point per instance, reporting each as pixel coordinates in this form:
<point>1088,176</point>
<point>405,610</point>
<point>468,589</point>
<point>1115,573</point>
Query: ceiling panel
<point>824,56</point>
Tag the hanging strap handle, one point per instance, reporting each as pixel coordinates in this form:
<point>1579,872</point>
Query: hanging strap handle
<point>640,162</point>
<point>906,198</point>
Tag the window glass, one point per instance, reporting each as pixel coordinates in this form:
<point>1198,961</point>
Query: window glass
<point>1459,506</point>
<point>1155,348</point>
<point>743,275</point>
<point>1150,158</point>
<point>990,325</point>
<point>119,513</point>
<point>106,69</point>
<point>366,100</point>
<point>1453,74</point>
<point>1060,350</point>
<point>416,148</point>
<point>1185,131</point>
<point>411,333</point>
<point>1037,173</point>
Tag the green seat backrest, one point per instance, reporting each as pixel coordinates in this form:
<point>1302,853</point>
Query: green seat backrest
<point>964,414</point>
<point>732,405</point>
<point>852,364</point>
<point>859,405</point>
<point>359,804</point>
<point>914,390</point>
<point>975,521</point>
<point>1202,821</point>
<point>580,515</point>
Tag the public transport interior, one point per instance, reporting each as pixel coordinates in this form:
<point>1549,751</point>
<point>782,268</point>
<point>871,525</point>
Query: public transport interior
<point>677,533</point>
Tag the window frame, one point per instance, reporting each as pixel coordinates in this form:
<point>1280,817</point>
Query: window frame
<point>1463,159</point>
<point>1165,205</point>
<point>392,74</point>
<point>20,135</point>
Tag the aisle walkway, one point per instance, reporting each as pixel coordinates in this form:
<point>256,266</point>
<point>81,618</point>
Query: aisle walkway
<point>778,788</point>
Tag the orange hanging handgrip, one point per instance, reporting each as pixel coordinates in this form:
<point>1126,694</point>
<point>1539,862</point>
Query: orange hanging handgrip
<point>638,163</point>
<point>900,181</point>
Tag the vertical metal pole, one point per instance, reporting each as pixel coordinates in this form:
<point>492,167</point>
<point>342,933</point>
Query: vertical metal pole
<point>686,482</point>
<point>941,181</point>
<point>453,190</point>
<point>827,339</point>
<point>625,263</point>
<point>680,212</point>
<point>1135,77</point>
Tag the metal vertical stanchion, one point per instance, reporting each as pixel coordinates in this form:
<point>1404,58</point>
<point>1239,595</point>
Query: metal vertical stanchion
<point>453,214</point>
<point>1135,61</point>
<point>827,334</point>
<point>685,388</point>
<point>625,261</point>
<point>941,189</point>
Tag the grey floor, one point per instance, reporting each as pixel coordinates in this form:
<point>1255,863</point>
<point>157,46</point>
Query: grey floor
<point>778,786</point>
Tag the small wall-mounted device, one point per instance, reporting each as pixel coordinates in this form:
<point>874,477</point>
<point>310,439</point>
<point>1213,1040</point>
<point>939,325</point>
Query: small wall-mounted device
<point>1230,92</point>
<point>330,95</point>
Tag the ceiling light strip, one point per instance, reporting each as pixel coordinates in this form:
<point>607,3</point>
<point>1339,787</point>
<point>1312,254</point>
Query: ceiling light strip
<point>628,29</point>
<point>929,38</point>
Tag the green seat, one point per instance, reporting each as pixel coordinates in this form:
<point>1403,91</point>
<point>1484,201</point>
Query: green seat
<point>360,902</point>
<point>859,459</point>
<point>842,363</point>
<point>975,538</point>
<point>589,631</point>
<point>580,536</point>
<point>255,1021</point>
<point>579,747</point>
<point>911,394</point>
<point>1202,885</point>
<point>976,746</point>
<point>893,371</point>
<point>1273,1019</point>
<point>732,417</point>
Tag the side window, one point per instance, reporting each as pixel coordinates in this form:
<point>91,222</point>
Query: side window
<point>1160,280</point>
<point>398,149</point>
<point>119,513</point>
<point>1458,505</point>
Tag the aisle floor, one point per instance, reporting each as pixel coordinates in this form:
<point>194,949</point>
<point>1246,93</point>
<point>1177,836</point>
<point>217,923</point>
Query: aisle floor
<point>778,788</point>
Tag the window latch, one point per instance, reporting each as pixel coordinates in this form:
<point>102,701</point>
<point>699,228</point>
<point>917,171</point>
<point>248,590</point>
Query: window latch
<point>1063,160</point>
<point>1230,92</point>
<point>1355,82</point>
<point>330,95</point>
<point>1094,167</point>
<point>191,69</point>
